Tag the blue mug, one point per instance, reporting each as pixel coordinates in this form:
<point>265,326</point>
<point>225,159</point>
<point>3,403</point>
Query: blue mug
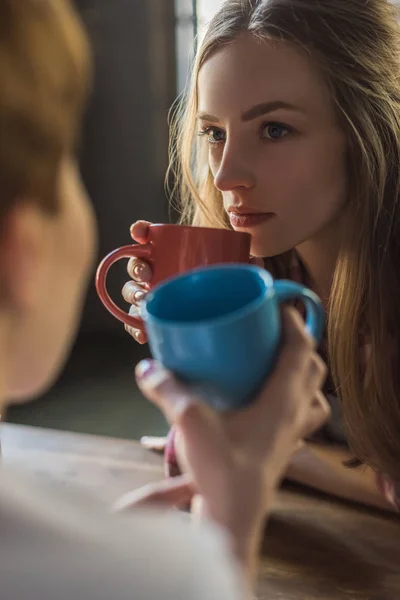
<point>219,328</point>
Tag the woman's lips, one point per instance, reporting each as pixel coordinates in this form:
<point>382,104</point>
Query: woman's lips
<point>248,220</point>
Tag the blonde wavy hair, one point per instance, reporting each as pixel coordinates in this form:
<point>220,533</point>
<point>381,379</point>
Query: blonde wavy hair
<point>357,47</point>
<point>44,76</point>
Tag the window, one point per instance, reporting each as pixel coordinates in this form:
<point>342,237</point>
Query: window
<point>191,18</point>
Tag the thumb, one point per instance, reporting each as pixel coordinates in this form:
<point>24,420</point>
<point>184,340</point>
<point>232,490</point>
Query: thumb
<point>206,446</point>
<point>170,492</point>
<point>139,231</point>
<point>297,343</point>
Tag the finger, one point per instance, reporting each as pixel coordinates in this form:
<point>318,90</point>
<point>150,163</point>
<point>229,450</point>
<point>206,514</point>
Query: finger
<point>293,365</point>
<point>156,444</point>
<point>162,389</point>
<point>317,374</point>
<point>317,415</point>
<point>139,231</point>
<point>133,292</point>
<point>277,405</point>
<point>197,509</point>
<point>293,362</point>
<point>139,270</point>
<point>295,338</point>
<point>138,335</point>
<point>170,492</point>
<point>207,450</point>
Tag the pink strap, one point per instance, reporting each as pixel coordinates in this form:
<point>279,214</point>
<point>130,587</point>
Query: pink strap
<point>171,466</point>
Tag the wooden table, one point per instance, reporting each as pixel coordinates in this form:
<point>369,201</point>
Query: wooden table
<point>316,549</point>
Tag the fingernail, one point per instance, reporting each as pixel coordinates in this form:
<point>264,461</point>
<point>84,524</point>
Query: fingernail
<point>145,367</point>
<point>138,270</point>
<point>138,296</point>
<point>152,374</point>
<point>136,334</point>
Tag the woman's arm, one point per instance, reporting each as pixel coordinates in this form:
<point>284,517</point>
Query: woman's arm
<point>321,468</point>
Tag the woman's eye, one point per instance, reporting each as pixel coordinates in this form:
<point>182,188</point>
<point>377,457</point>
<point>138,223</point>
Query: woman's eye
<point>214,135</point>
<point>274,131</point>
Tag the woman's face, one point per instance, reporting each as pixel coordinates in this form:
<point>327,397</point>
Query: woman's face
<point>275,148</point>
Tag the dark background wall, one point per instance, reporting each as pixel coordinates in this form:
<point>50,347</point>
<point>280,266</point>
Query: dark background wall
<point>125,138</point>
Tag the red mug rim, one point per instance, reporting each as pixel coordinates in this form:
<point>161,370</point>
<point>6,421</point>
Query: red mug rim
<point>197,227</point>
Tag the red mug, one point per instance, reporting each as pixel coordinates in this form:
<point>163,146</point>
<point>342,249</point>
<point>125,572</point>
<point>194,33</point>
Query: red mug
<point>174,249</point>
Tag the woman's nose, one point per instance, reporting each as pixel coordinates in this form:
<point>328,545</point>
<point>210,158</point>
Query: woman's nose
<point>234,171</point>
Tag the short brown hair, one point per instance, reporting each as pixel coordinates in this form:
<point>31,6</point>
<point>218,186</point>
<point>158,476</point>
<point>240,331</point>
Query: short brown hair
<point>44,62</point>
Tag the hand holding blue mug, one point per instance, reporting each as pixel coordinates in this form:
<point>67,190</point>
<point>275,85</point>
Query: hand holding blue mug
<point>219,328</point>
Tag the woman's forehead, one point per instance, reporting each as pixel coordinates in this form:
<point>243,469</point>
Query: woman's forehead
<point>250,71</point>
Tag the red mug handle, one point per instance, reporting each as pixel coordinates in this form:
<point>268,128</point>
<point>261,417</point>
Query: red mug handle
<point>143,251</point>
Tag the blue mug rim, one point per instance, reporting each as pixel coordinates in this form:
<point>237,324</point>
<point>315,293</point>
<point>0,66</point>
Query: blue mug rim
<point>244,311</point>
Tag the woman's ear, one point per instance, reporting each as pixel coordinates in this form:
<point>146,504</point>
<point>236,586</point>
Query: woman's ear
<point>23,245</point>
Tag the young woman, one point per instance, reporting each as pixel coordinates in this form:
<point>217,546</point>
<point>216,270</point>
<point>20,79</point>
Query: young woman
<point>57,547</point>
<point>291,130</point>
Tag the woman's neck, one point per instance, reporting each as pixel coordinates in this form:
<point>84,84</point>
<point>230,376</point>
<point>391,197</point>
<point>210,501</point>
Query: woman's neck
<point>319,256</point>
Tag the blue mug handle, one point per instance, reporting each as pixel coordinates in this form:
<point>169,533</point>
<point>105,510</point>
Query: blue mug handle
<point>286,290</point>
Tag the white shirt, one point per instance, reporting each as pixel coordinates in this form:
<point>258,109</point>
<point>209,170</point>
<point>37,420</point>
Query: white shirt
<point>54,549</point>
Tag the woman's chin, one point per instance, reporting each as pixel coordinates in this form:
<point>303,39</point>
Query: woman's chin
<point>268,249</point>
<point>264,251</point>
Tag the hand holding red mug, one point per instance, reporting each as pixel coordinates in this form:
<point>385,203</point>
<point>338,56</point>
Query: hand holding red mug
<point>161,252</point>
<point>140,272</point>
